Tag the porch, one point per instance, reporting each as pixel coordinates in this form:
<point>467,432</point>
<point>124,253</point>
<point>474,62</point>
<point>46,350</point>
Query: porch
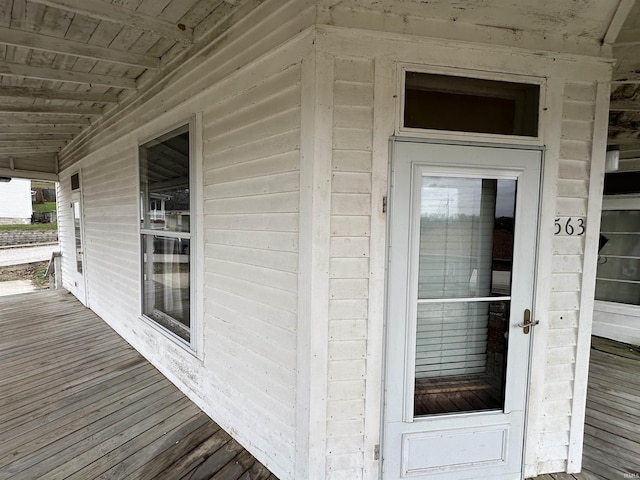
<point>77,402</point>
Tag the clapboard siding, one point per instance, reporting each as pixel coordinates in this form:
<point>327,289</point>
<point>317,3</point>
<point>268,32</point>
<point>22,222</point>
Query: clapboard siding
<point>566,281</point>
<point>349,265</point>
<point>248,97</point>
<point>251,204</point>
<point>110,203</point>
<point>65,229</point>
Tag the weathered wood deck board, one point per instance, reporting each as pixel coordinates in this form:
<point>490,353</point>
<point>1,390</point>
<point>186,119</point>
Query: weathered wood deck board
<point>612,425</point>
<point>77,402</point>
<point>561,476</point>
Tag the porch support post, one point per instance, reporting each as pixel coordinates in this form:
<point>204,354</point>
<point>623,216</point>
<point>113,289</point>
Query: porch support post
<point>587,291</point>
<point>550,122</point>
<point>313,279</point>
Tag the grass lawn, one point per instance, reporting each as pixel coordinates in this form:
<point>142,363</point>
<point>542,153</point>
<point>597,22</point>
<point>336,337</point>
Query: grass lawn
<point>44,207</point>
<point>27,227</point>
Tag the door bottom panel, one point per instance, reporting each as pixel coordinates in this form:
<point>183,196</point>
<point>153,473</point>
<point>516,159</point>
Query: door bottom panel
<point>438,452</point>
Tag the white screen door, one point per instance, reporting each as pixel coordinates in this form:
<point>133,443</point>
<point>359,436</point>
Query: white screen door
<point>78,246</point>
<point>462,240</point>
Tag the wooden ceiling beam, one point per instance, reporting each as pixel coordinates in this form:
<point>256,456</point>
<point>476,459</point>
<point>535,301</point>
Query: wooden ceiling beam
<point>57,109</point>
<point>32,143</point>
<point>33,119</point>
<point>101,10</point>
<point>61,137</point>
<point>30,174</point>
<point>48,94</point>
<point>619,17</point>
<point>624,106</point>
<point>46,73</point>
<point>630,43</point>
<point>622,139</point>
<point>626,77</point>
<point>7,128</point>
<point>27,150</point>
<point>628,36</point>
<point>19,38</point>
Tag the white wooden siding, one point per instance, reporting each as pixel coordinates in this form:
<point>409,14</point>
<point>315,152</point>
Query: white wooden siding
<point>349,265</point>
<point>566,280</point>
<point>351,224</point>
<point>65,229</point>
<point>110,204</point>
<point>251,204</point>
<point>248,94</point>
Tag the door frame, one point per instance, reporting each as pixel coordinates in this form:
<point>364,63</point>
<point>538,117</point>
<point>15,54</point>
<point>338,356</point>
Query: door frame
<point>534,270</point>
<point>79,280</point>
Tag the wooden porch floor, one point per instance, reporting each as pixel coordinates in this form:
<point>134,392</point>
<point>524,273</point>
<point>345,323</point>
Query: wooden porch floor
<point>612,426</point>
<point>77,402</point>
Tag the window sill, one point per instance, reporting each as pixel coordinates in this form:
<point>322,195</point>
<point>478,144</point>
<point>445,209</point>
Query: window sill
<point>172,337</point>
<point>617,308</point>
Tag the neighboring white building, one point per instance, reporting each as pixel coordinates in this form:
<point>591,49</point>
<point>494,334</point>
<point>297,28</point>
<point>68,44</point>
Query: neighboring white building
<point>15,202</point>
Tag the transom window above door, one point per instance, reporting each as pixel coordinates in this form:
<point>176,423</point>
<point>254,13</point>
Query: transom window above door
<point>472,105</point>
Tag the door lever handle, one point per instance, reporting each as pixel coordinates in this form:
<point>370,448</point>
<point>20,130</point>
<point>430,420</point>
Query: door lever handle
<point>527,323</point>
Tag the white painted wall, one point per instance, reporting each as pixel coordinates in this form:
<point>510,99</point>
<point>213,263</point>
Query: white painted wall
<point>294,167</point>
<point>248,100</point>
<point>361,126</point>
<point>15,201</point>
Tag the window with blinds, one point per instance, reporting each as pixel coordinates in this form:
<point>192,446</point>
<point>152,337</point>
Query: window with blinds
<point>465,252</point>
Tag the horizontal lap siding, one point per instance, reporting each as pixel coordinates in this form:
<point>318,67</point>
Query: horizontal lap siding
<point>251,204</point>
<point>566,280</point>
<point>248,91</point>
<point>110,194</point>
<point>349,266</point>
<point>65,230</point>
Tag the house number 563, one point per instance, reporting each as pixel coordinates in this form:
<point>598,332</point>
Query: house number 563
<point>569,226</point>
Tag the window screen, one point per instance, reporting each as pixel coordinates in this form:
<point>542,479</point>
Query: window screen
<point>444,102</point>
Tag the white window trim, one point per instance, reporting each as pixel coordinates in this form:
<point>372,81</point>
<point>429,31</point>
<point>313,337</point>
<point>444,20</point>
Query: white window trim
<point>196,278</point>
<point>619,202</point>
<point>447,135</point>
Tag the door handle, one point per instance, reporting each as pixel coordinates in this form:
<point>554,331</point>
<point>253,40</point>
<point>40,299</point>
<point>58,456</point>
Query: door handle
<point>527,323</point>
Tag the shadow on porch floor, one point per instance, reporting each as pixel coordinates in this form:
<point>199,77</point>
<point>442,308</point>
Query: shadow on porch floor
<point>77,402</point>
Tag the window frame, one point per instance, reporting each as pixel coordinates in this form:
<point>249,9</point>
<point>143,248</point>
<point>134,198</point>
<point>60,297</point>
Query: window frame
<point>629,202</point>
<point>459,136</point>
<point>194,345</point>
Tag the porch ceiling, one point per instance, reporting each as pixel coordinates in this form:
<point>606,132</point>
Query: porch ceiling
<point>65,63</point>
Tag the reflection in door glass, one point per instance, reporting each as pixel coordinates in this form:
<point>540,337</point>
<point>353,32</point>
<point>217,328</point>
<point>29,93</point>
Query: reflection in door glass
<point>464,283</point>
